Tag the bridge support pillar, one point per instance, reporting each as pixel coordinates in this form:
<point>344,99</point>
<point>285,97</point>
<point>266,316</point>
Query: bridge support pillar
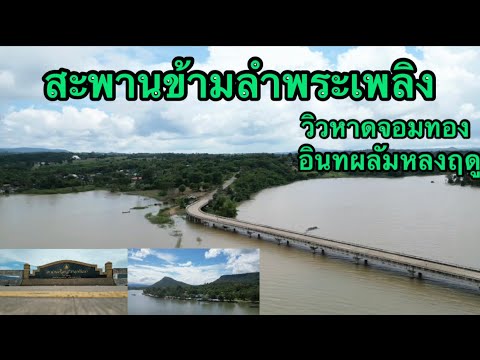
<point>365,262</point>
<point>288,243</point>
<point>412,272</point>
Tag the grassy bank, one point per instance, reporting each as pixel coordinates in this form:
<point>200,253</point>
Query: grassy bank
<point>154,194</point>
<point>161,218</point>
<point>249,183</point>
<point>67,190</point>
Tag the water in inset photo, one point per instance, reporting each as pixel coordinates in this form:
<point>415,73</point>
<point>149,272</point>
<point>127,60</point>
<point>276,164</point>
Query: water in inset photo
<point>193,281</point>
<point>63,282</point>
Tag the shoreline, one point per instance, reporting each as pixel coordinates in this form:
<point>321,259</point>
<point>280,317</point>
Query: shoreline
<point>237,301</point>
<point>153,194</point>
<point>330,175</point>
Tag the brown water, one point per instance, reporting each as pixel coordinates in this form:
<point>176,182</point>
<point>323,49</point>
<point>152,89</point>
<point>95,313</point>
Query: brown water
<point>411,215</point>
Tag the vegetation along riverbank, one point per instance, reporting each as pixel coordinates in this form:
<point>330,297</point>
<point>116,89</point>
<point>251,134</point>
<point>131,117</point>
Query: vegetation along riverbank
<point>173,179</point>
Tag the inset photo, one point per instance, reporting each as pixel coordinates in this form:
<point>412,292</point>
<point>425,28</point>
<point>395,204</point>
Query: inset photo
<point>63,282</point>
<point>194,281</point>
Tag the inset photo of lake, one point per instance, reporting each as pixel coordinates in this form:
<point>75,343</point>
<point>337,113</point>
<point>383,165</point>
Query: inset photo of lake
<point>193,281</point>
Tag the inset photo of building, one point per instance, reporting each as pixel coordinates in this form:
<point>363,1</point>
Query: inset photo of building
<point>193,281</point>
<point>63,282</point>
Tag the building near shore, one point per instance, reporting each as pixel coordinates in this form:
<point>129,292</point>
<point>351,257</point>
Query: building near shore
<point>65,273</point>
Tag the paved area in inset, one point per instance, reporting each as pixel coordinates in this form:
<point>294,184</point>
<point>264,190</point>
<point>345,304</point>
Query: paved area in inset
<point>63,300</point>
<point>64,288</point>
<point>64,291</point>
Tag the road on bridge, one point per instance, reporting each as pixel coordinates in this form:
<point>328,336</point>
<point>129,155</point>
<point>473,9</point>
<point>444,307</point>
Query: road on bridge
<point>362,252</point>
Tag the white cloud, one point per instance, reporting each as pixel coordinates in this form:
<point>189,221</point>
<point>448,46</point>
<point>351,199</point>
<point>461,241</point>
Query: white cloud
<point>139,255</point>
<point>7,79</point>
<point>194,126</point>
<point>188,263</point>
<point>239,261</point>
<point>245,262</point>
<point>170,258</point>
<point>274,57</point>
<point>51,127</point>
<point>212,253</point>
<point>193,275</point>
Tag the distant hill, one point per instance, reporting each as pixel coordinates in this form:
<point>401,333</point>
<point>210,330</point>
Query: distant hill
<point>247,278</point>
<point>137,286</point>
<point>25,150</point>
<point>225,288</point>
<point>168,282</point>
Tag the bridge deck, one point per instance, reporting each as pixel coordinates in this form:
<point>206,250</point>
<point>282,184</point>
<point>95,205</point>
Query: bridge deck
<point>452,270</point>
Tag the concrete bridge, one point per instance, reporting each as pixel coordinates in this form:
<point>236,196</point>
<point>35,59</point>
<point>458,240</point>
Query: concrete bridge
<point>415,266</point>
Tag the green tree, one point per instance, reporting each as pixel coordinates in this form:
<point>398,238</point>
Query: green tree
<point>217,178</point>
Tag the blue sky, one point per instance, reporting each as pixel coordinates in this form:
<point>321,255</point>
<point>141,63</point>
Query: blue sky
<point>14,259</point>
<point>192,266</point>
<point>28,119</point>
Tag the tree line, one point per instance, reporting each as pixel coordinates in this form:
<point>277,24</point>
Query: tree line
<point>221,292</point>
<point>164,173</point>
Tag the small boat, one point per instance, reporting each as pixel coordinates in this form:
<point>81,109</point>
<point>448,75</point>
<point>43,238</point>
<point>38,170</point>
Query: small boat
<point>431,182</point>
<point>126,212</point>
<point>312,228</point>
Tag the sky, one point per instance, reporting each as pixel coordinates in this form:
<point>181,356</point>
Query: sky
<point>191,126</point>
<point>15,259</point>
<point>192,266</point>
